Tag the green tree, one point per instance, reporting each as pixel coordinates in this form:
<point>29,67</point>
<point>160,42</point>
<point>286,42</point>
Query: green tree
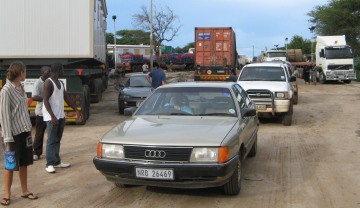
<point>338,17</point>
<point>298,42</point>
<point>109,38</point>
<point>133,37</point>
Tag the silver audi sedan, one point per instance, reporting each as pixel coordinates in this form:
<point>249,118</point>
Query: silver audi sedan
<point>184,135</point>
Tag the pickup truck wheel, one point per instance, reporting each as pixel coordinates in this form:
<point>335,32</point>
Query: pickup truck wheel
<point>253,150</point>
<point>233,186</point>
<point>296,97</point>
<point>287,117</point>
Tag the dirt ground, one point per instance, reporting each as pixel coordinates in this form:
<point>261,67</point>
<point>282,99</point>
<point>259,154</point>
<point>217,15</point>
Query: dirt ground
<point>313,163</point>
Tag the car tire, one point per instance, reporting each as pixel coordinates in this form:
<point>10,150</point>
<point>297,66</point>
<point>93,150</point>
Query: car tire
<point>287,117</point>
<point>233,186</point>
<point>121,185</point>
<point>253,150</point>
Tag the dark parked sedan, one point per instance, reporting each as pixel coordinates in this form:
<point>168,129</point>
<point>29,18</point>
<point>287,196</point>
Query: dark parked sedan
<point>184,135</point>
<point>136,89</point>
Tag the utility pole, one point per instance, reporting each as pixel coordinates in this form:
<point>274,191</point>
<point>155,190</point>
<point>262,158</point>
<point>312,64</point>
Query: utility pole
<point>115,56</point>
<point>312,28</point>
<point>286,40</point>
<point>151,39</point>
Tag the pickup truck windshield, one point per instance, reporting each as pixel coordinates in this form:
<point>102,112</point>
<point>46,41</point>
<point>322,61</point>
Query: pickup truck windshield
<point>262,73</point>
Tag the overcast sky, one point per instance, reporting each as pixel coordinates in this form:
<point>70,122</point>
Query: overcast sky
<point>257,23</point>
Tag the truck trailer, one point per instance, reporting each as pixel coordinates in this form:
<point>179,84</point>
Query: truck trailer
<point>70,32</point>
<point>215,54</point>
<point>334,59</point>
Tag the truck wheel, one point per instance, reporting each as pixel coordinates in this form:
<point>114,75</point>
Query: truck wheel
<point>233,186</point>
<point>97,96</point>
<point>347,81</point>
<point>85,105</point>
<point>287,117</point>
<point>253,150</point>
<point>105,80</point>
<point>322,78</point>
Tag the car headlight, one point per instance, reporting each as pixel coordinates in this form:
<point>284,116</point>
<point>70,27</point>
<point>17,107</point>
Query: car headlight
<point>114,151</point>
<point>204,154</point>
<point>210,154</point>
<point>124,96</point>
<point>281,95</point>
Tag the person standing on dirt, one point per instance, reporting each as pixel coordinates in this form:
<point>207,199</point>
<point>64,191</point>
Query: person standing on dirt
<point>16,131</point>
<point>54,116</point>
<point>306,75</point>
<point>157,77</point>
<point>40,124</point>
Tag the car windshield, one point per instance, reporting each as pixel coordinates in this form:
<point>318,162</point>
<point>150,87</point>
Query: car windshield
<point>137,81</point>
<point>189,101</point>
<point>262,73</point>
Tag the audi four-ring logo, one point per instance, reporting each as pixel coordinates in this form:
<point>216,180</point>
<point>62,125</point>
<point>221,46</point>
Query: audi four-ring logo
<point>155,153</point>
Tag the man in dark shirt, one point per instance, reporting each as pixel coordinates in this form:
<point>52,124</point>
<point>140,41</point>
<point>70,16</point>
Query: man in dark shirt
<point>156,77</point>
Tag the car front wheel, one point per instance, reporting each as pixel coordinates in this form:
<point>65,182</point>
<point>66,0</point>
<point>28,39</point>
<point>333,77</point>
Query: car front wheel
<point>233,186</point>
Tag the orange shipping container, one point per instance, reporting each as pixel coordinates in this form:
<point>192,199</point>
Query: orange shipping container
<point>215,46</point>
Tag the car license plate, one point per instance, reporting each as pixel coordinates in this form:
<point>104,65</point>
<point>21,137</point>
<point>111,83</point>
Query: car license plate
<point>220,71</point>
<point>158,174</point>
<point>260,107</point>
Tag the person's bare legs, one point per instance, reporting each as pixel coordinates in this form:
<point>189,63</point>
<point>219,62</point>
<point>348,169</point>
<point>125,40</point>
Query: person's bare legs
<point>23,179</point>
<point>8,178</point>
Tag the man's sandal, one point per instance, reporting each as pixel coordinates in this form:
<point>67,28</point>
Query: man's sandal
<point>5,202</point>
<point>30,196</point>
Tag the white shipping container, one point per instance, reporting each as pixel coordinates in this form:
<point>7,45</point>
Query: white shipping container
<point>53,29</point>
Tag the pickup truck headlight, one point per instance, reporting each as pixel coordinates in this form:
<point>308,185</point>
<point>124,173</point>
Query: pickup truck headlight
<point>210,154</point>
<point>283,95</point>
<point>113,151</point>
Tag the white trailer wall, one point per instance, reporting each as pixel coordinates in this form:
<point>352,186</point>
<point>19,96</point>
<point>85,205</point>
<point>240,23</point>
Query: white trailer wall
<point>52,29</point>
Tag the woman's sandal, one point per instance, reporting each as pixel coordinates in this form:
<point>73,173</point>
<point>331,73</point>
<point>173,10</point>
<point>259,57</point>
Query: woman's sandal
<point>30,196</point>
<point>5,202</point>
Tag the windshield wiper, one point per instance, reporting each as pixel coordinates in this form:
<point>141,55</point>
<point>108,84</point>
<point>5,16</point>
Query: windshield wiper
<point>215,114</point>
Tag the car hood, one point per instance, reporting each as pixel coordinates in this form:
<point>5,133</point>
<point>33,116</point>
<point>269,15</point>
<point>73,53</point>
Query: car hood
<point>171,130</point>
<point>137,91</point>
<point>269,85</point>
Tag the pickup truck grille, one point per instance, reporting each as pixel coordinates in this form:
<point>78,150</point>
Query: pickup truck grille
<point>176,154</point>
<point>259,94</point>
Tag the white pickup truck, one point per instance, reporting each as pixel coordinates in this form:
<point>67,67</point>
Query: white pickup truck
<point>270,87</point>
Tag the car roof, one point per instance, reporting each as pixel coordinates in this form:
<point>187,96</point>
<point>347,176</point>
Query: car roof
<point>269,63</point>
<point>199,84</point>
<point>138,75</point>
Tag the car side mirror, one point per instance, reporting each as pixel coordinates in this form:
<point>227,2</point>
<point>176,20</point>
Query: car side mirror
<point>248,112</point>
<point>292,78</point>
<point>321,53</point>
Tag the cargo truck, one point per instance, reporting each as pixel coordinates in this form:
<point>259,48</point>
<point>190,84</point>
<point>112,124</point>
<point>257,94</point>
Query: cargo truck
<point>215,54</point>
<point>70,32</point>
<point>334,59</point>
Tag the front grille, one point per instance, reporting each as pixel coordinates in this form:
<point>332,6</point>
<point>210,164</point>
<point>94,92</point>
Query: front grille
<point>176,154</point>
<point>340,67</point>
<point>259,94</point>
